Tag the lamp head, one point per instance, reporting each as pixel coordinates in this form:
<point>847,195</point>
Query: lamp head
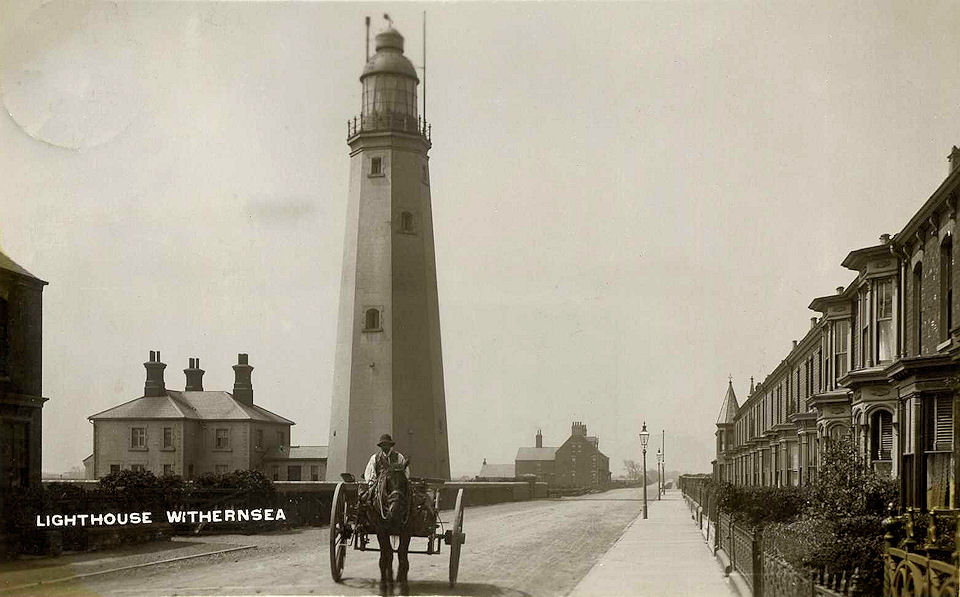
<point>644,435</point>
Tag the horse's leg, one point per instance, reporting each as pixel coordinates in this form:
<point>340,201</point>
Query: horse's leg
<point>402,554</point>
<point>386,557</point>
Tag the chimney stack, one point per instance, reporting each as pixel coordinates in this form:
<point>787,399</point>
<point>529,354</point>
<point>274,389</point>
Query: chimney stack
<point>539,439</point>
<point>794,344</point>
<point>751,384</point>
<point>242,387</point>
<point>954,159</point>
<point>154,383</point>
<point>839,289</point>
<point>194,376</point>
<point>885,239</point>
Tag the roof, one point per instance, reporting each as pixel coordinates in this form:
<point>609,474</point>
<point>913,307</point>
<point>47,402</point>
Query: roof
<point>389,57</point>
<point>858,258</point>
<point>728,412</point>
<point>593,439</point>
<point>536,453</point>
<point>498,470</point>
<point>209,406</point>
<point>297,453</point>
<point>12,266</point>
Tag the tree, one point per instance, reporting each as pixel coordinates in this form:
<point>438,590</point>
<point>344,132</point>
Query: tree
<point>634,470</point>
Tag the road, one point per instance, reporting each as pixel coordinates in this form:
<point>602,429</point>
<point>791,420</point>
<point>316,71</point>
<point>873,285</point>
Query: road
<point>541,547</point>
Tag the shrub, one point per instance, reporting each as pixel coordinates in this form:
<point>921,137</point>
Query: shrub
<point>761,505</point>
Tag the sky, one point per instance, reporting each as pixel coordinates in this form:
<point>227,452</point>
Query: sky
<point>632,201</point>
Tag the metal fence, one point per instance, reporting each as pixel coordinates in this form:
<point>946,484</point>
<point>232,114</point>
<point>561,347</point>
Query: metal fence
<point>742,551</point>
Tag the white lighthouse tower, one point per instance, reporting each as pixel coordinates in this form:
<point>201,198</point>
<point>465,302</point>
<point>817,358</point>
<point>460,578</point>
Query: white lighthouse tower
<point>388,375</point>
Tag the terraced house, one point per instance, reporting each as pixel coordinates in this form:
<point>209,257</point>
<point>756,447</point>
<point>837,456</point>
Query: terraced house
<point>879,364</point>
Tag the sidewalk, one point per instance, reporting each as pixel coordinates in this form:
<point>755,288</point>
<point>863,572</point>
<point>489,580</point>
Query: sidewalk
<point>663,555</point>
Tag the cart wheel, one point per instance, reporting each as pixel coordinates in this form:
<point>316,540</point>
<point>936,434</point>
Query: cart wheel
<point>457,538</point>
<point>338,532</point>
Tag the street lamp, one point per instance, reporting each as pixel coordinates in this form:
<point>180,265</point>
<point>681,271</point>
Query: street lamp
<point>659,475</point>
<point>644,437</point>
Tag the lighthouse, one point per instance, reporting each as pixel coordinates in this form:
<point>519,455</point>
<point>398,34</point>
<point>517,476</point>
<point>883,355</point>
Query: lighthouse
<point>388,372</point>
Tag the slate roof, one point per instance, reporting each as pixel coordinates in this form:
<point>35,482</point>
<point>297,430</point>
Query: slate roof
<point>498,470</point>
<point>728,412</point>
<point>12,266</point>
<point>536,453</point>
<point>208,406</point>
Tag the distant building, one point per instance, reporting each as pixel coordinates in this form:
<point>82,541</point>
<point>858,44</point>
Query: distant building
<point>21,366</point>
<point>538,460</point>
<point>497,471</point>
<point>577,463</point>
<point>196,431</point>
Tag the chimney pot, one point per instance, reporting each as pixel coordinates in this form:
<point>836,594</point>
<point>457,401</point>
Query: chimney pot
<point>794,343</point>
<point>954,159</point>
<point>813,322</point>
<point>154,386</point>
<point>242,386</point>
<point>885,239</point>
<point>194,375</point>
<point>839,289</point>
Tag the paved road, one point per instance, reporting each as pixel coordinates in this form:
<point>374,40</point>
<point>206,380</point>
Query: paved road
<point>526,548</point>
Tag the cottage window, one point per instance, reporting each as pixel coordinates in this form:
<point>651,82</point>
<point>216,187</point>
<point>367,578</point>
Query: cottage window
<point>168,437</point>
<point>259,436</point>
<point>114,468</point>
<point>314,472</point>
<point>275,472</point>
<point>293,473</point>
<point>167,470</point>
<point>222,439</point>
<point>220,469</point>
<point>138,468</point>
<point>864,318</point>
<point>138,438</point>
<point>376,166</point>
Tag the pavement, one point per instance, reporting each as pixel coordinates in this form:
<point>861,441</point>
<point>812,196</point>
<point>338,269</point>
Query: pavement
<point>663,555</point>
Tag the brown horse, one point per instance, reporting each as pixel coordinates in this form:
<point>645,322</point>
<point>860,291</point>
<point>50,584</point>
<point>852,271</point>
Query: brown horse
<point>388,513</point>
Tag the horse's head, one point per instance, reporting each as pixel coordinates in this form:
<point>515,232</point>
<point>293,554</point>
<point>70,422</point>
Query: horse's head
<point>396,493</point>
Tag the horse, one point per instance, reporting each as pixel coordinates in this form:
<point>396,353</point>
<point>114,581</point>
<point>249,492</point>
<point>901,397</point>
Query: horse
<point>388,513</point>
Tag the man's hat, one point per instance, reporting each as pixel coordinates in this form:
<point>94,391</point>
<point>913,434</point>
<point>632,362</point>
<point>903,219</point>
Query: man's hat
<point>385,440</point>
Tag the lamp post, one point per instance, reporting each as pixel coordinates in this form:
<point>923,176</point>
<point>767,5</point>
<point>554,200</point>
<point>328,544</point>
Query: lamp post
<point>644,436</point>
<point>659,474</point>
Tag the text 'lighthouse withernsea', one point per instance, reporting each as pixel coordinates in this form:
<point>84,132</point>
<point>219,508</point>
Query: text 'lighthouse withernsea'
<point>388,375</point>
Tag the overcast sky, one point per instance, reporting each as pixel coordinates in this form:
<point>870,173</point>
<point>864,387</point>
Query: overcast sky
<point>631,201</point>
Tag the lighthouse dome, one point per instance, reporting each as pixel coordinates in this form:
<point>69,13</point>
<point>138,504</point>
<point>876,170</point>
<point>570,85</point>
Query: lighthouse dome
<point>389,56</point>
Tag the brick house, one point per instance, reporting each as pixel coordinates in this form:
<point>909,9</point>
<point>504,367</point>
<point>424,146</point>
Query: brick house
<point>578,462</point>
<point>196,431</point>
<point>881,365</point>
<point>21,367</point>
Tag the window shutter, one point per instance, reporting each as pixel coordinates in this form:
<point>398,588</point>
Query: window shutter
<point>943,423</point>
<point>886,437</point>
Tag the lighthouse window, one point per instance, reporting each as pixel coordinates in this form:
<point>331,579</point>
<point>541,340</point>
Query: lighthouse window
<point>406,223</point>
<point>376,166</point>
<point>371,320</point>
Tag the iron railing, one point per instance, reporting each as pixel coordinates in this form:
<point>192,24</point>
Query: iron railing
<point>388,121</point>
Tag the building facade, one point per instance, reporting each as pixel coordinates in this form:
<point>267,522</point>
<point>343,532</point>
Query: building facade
<point>21,373</point>
<point>196,431</point>
<point>388,372</point>
<point>880,365</point>
<point>578,462</point>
